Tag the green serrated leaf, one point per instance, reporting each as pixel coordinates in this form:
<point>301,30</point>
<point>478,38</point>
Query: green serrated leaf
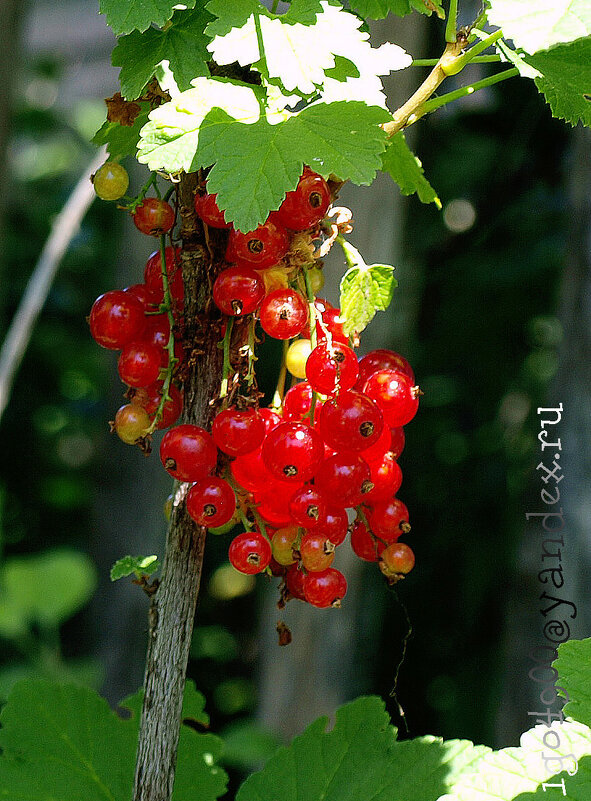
<point>63,742</point>
<point>565,80</point>
<point>539,25</point>
<point>360,759</point>
<point>125,16</point>
<point>182,45</point>
<point>365,290</point>
<point>122,140</point>
<point>254,166</point>
<point>429,7</point>
<point>298,56</point>
<point>44,589</point>
<point>138,565</point>
<point>379,9</point>
<point>256,163</point>
<point>237,13</point>
<point>574,676</point>
<point>406,170</point>
<point>513,773</point>
<point>170,139</point>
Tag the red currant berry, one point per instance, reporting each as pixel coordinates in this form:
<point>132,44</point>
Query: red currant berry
<point>172,407</point>
<point>139,364</point>
<point>396,561</point>
<point>131,423</point>
<point>293,452</point>
<point>330,321</point>
<point>110,181</point>
<point>386,477</point>
<point>261,248</point>
<point>283,314</point>
<point>307,507</point>
<point>153,275</point>
<point>316,552</point>
<point>382,359</point>
<point>236,432</point>
<point>250,552</point>
<point>326,588</point>
<point>207,209</point>
<point>211,502</point>
<point>153,216</point>
<point>397,440</point>
<point>250,471</point>
<point>334,525</point>
<point>298,401</point>
<point>351,421</point>
<point>307,204</point>
<point>272,503</point>
<point>270,418</point>
<point>142,293</point>
<point>238,290</point>
<point>115,319</point>
<point>364,544</point>
<point>389,519</point>
<point>283,542</point>
<point>376,451</point>
<point>344,476</point>
<point>188,452</point>
<point>294,581</point>
<point>330,368</point>
<point>395,394</point>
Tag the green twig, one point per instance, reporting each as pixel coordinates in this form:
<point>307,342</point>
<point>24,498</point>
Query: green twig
<point>473,52</point>
<point>452,22</point>
<point>437,102</point>
<point>172,360</point>
<point>227,369</point>
<point>431,62</point>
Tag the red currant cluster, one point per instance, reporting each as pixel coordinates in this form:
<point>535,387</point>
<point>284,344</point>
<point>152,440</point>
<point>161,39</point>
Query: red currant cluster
<point>328,444</point>
<point>141,321</point>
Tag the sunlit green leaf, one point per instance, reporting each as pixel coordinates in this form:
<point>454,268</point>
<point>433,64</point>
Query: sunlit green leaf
<point>125,16</point>
<point>365,289</point>
<point>539,24</point>
<point>182,46</point>
<point>407,171</point>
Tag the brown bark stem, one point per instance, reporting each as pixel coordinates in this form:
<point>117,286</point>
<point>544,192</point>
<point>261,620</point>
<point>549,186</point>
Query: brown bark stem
<point>173,606</point>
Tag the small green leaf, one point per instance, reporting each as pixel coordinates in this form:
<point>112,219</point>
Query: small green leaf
<point>138,565</point>
<point>122,140</point>
<point>182,45</point>
<point>365,289</point>
<point>125,16</point>
<point>565,80</point>
<point>406,170</point>
<point>360,759</point>
<point>539,25</point>
<point>574,676</point>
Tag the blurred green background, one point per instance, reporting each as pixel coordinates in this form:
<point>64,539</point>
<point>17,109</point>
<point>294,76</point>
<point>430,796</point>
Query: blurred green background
<point>492,311</point>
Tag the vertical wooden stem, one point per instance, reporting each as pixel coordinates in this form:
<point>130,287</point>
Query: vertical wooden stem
<point>173,606</point>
